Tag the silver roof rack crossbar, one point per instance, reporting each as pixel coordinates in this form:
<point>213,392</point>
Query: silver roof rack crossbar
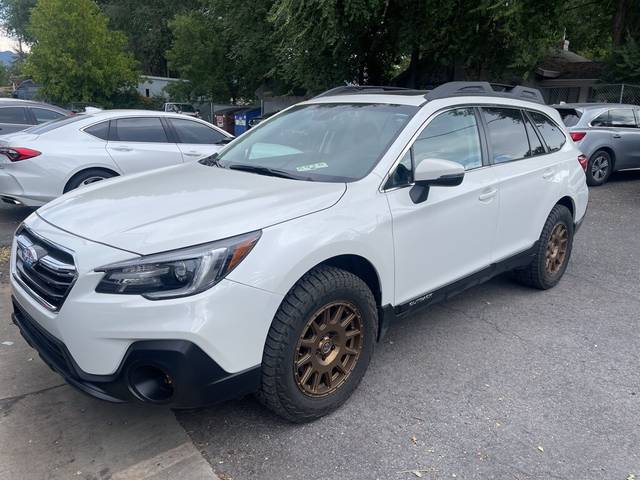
<point>453,89</point>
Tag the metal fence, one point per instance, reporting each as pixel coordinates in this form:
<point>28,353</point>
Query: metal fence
<point>600,93</point>
<point>621,93</point>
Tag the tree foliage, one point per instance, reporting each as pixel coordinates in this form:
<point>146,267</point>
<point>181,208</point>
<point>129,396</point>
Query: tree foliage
<point>15,15</point>
<point>223,48</point>
<point>75,56</point>
<point>146,23</point>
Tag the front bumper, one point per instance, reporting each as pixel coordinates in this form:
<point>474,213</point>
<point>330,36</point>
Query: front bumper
<point>192,377</point>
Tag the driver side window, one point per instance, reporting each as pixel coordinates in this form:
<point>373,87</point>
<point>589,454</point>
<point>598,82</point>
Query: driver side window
<point>452,135</point>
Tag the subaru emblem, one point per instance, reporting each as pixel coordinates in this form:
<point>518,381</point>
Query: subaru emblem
<point>29,256</point>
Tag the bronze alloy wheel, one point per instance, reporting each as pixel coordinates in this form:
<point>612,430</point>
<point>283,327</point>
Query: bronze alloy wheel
<point>556,248</point>
<point>328,349</point>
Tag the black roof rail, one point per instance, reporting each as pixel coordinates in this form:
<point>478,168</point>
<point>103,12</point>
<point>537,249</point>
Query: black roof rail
<point>346,89</point>
<point>486,89</point>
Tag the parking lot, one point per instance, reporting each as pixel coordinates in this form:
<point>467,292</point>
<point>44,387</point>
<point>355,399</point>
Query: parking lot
<point>501,382</point>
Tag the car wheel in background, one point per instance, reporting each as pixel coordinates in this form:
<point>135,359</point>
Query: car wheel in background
<point>87,177</point>
<point>319,345</point>
<point>599,168</point>
<point>552,252</point>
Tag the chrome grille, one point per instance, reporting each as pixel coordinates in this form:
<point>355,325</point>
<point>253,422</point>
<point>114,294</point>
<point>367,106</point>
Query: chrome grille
<point>45,270</point>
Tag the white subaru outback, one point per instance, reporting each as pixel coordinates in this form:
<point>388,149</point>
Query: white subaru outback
<point>276,265</point>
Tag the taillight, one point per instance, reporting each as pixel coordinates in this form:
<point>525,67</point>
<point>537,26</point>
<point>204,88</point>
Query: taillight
<point>15,154</point>
<point>583,160</point>
<point>577,136</point>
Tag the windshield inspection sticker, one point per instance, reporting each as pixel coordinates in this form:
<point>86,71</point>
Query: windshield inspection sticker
<point>313,166</point>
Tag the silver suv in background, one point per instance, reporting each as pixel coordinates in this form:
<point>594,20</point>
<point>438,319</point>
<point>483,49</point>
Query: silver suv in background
<point>607,133</point>
<point>17,115</point>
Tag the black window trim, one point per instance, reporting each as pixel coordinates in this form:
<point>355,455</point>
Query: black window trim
<point>113,129</point>
<point>408,148</point>
<point>547,150</point>
<point>26,115</point>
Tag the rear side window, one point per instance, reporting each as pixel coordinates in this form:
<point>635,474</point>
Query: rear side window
<point>507,134</point>
<point>100,130</point>
<point>570,117</point>
<point>195,132</point>
<point>45,115</point>
<point>551,133</point>
<point>452,135</point>
<point>14,115</point>
<point>622,117</point>
<point>140,129</point>
<point>601,120</point>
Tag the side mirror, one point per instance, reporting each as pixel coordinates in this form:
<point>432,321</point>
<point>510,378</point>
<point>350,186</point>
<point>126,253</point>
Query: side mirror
<point>435,172</point>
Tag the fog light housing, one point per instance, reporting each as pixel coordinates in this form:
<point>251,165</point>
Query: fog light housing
<point>151,384</point>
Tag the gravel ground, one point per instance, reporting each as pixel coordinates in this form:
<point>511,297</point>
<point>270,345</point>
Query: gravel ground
<point>501,382</point>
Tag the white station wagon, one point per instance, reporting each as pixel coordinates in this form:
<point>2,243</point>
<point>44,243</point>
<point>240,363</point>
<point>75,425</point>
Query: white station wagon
<point>276,265</point>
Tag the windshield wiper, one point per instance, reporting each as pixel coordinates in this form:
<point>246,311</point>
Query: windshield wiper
<point>263,171</point>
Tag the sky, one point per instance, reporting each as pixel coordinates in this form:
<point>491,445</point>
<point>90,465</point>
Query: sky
<point>6,43</point>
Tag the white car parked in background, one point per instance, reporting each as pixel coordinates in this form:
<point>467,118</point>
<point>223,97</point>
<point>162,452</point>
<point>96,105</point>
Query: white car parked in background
<point>45,161</point>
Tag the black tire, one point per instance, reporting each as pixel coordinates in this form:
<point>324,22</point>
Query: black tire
<point>87,177</point>
<point>537,274</point>
<point>281,390</point>
<point>599,168</point>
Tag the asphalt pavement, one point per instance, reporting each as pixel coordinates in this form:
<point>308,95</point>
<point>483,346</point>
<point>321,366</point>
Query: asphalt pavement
<point>501,382</point>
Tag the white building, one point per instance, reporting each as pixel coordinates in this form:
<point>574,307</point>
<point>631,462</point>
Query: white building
<point>152,86</point>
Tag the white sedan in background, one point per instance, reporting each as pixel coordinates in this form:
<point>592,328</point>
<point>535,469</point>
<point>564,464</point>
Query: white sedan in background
<point>45,161</point>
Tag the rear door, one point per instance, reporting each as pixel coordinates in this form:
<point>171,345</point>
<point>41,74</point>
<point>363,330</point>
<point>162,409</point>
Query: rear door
<point>525,170</point>
<point>137,144</point>
<point>13,119</point>
<point>625,137</point>
<point>196,140</point>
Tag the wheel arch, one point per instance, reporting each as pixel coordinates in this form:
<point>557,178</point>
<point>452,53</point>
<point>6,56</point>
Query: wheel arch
<point>84,169</point>
<point>611,153</point>
<point>568,202</point>
<point>360,267</point>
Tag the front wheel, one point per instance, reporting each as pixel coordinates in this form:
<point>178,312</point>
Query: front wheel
<point>552,253</point>
<point>319,345</point>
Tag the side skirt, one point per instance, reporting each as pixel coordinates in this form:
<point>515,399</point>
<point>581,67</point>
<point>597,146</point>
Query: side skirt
<point>388,313</point>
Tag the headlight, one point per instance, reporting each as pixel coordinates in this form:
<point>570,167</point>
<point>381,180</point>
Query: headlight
<point>177,273</point>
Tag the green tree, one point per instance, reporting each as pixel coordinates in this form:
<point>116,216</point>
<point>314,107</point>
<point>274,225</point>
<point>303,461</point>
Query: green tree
<point>75,56</point>
<point>15,15</point>
<point>223,48</point>
<point>625,63</point>
<point>4,75</point>
<point>146,24</point>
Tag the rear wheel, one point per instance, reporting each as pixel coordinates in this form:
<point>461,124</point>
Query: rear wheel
<point>599,168</point>
<point>552,253</point>
<point>87,177</point>
<point>319,345</point>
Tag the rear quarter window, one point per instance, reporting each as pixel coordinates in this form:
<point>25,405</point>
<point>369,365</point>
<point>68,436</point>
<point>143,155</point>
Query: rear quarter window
<point>551,133</point>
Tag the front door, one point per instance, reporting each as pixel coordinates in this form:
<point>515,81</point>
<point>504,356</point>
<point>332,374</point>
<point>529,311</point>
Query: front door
<point>451,234</point>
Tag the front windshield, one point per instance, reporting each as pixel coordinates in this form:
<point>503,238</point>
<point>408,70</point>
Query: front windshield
<point>321,142</point>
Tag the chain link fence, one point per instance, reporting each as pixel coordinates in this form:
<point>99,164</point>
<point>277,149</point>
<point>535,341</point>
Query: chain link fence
<point>601,93</point>
<point>621,93</point>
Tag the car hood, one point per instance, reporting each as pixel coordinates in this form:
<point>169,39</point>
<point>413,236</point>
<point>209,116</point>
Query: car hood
<point>182,206</point>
